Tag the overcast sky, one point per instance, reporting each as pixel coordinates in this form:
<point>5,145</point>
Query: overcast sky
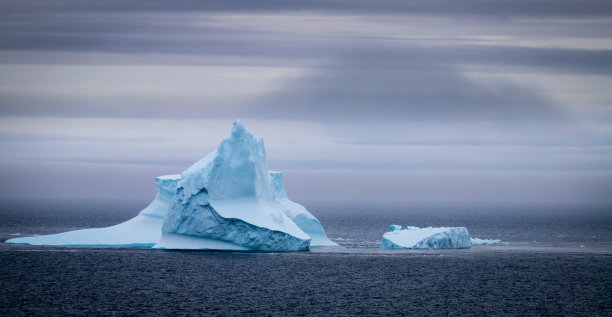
<point>366,101</point>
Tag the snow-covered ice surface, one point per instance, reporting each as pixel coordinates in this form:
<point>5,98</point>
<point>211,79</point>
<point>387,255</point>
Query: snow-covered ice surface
<point>426,238</point>
<point>478,241</point>
<point>228,196</point>
<point>144,230</point>
<point>298,213</point>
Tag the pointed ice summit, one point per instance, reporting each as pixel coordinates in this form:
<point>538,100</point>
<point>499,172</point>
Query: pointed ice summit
<point>226,201</point>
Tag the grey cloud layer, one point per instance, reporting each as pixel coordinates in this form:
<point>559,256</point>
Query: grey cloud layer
<point>193,28</point>
<point>393,87</point>
<point>398,95</point>
<point>365,85</point>
<point>353,74</point>
<point>355,71</point>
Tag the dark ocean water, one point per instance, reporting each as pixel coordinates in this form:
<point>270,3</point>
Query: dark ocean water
<point>556,261</point>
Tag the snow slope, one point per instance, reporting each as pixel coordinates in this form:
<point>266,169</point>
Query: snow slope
<point>298,213</point>
<point>144,230</point>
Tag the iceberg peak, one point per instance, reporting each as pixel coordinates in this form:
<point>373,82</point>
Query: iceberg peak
<point>240,132</point>
<point>239,168</point>
<point>239,128</point>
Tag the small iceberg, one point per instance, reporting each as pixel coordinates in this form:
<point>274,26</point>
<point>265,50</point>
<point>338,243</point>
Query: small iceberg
<point>426,238</point>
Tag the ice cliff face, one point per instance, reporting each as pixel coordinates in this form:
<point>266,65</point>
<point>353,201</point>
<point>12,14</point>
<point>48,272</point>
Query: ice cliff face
<point>426,238</point>
<point>165,187</point>
<point>228,198</point>
<point>298,214</point>
<point>144,230</point>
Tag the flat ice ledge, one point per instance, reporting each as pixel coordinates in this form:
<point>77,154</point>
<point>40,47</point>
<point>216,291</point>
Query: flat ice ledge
<point>141,231</point>
<point>426,238</point>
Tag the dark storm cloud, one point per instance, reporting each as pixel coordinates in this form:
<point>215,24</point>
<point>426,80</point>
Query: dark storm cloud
<point>248,44</point>
<point>375,86</point>
<point>543,59</point>
<point>560,8</point>
<point>364,87</point>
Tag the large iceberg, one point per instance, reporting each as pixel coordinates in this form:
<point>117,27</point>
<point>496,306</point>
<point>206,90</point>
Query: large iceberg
<point>144,230</point>
<point>226,201</point>
<point>426,238</point>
